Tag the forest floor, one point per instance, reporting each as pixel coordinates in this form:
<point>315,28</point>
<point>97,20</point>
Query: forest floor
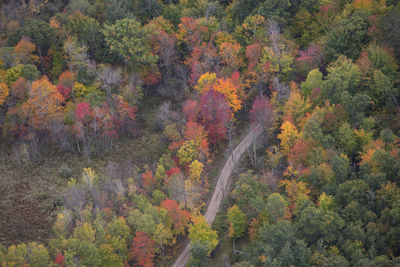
<point>221,187</point>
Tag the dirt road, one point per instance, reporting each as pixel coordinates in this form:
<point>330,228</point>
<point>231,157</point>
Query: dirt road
<point>221,187</point>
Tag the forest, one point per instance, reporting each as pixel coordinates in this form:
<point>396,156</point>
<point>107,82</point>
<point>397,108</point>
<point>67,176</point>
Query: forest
<point>118,119</point>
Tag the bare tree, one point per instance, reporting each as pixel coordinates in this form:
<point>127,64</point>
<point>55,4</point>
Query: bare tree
<point>109,79</point>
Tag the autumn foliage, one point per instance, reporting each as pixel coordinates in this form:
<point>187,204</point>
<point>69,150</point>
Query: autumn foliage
<point>142,249</point>
<point>44,104</point>
<point>4,91</point>
<point>179,218</point>
<point>215,114</point>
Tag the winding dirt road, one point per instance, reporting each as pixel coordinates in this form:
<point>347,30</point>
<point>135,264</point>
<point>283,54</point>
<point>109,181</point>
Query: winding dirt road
<point>221,187</point>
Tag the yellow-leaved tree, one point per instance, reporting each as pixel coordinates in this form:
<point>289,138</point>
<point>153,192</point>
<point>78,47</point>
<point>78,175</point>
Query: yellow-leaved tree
<point>208,81</point>
<point>4,92</point>
<point>201,231</point>
<point>288,136</point>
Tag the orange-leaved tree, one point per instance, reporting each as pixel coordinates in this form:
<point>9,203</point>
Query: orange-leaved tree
<point>208,81</point>
<point>44,104</point>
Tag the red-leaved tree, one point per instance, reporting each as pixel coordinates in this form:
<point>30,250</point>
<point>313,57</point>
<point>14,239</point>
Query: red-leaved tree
<point>191,110</point>
<point>142,249</point>
<point>179,218</point>
<point>261,111</point>
<point>215,115</point>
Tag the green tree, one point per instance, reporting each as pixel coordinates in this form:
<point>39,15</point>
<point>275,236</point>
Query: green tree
<point>87,30</point>
<point>275,207</point>
<point>238,222</point>
<point>200,251</point>
<point>130,40</point>
<point>279,245</point>
<point>81,247</point>
<point>38,31</point>
<point>314,80</point>
<point>119,236</point>
<point>352,190</point>
<point>278,10</point>
<point>320,224</point>
<point>343,76</point>
<point>383,91</point>
<point>163,237</point>
<point>390,25</point>
<point>201,231</point>
<point>39,257</point>
<point>250,194</point>
<point>345,37</point>
<point>342,86</point>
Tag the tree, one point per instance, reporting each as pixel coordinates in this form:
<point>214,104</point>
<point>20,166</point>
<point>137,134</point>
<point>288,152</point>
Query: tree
<point>199,230</point>
<point>200,253</point>
<point>87,29</point>
<point>163,237</point>
<point>309,59</point>
<point>275,10</point>
<point>275,207</point>
<point>24,51</point>
<point>82,111</point>
<point>230,55</point>
<point>67,78</point>
<point>261,112</point>
<point>277,54</point>
<point>209,81</point>
<point>250,194</point>
<point>188,152</point>
<point>142,249</point>
<point>389,25</point>
<point>82,248</point>
<point>191,110</point>
<point>280,245</point>
<point>4,91</point>
<point>118,236</point>
<point>38,31</point>
<point>253,53</point>
<point>44,104</point>
<point>297,193</point>
<point>149,181</point>
<point>345,37</point>
<point>296,107</point>
<point>352,190</point>
<point>343,75</point>
<point>78,62</point>
<point>195,131</point>
<point>320,224</point>
<point>130,40</point>
<point>179,218</point>
<point>109,79</point>
<point>383,91</point>
<point>288,136</point>
<point>19,89</point>
<point>195,169</point>
<point>238,222</point>
<point>59,260</point>
<point>191,33</point>
<point>314,80</point>
<point>215,114</point>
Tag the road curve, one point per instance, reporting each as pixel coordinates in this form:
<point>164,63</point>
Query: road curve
<point>221,187</point>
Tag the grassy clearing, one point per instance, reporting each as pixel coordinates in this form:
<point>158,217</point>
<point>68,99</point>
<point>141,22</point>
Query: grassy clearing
<point>34,192</point>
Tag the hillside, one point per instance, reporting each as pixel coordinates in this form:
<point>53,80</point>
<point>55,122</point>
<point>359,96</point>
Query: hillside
<point>124,121</point>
